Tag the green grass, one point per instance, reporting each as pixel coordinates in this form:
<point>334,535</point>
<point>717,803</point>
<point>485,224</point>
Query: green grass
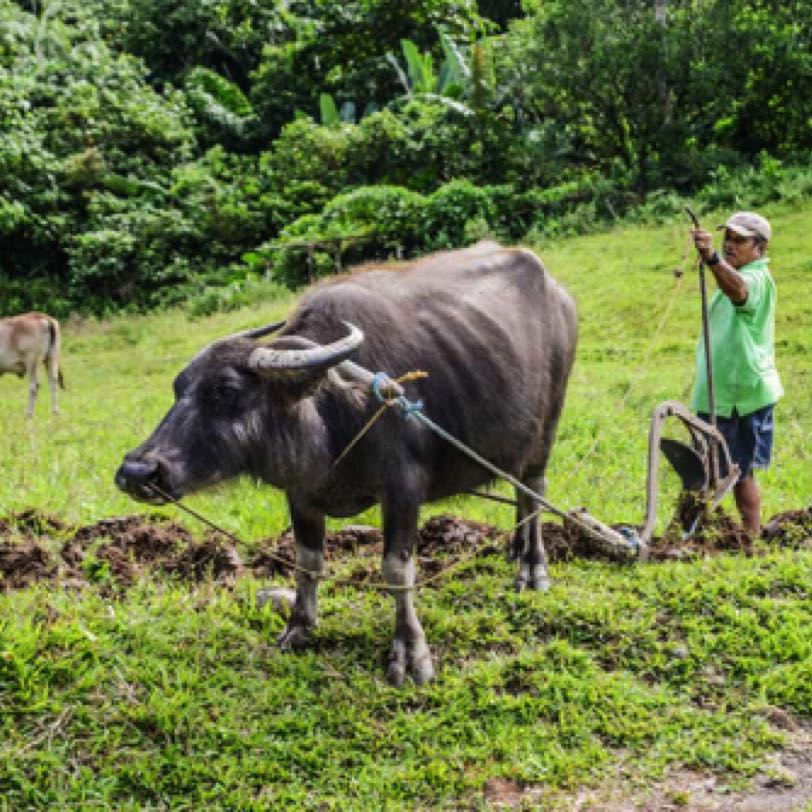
<point>174,696</point>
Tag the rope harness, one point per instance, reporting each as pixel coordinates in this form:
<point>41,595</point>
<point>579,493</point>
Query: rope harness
<point>387,399</point>
<point>388,392</point>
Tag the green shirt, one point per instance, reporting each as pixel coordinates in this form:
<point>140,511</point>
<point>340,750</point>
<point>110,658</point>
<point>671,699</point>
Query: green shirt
<point>743,348</point>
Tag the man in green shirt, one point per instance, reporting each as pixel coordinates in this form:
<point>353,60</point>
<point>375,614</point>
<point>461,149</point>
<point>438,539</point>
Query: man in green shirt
<point>746,385</point>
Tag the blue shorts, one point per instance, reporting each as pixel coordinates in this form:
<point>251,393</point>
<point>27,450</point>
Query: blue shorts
<point>749,439</point>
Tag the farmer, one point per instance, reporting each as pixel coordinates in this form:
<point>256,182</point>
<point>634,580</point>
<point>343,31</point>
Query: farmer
<point>742,328</point>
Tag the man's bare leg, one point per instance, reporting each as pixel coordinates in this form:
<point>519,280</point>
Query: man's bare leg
<point>748,501</point>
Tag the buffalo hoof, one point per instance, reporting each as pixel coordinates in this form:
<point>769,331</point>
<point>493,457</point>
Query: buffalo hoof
<point>541,583</point>
<point>412,660</point>
<point>295,637</point>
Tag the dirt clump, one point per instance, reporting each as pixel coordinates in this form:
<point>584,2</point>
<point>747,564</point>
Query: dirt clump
<point>451,535</point>
<point>148,538</point>
<point>566,541</point>
<point>792,528</point>
<point>213,558</point>
<point>121,567</point>
<point>24,564</point>
<point>33,522</point>
<point>138,539</point>
<point>24,560</point>
<point>354,539</point>
<point>716,532</point>
<point>273,558</point>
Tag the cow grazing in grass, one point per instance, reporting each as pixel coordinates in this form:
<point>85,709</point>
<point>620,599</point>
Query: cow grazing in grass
<point>26,341</point>
<point>496,335</point>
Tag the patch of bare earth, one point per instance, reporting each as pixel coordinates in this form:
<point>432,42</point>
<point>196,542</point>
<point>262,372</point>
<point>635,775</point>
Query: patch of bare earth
<point>784,785</point>
<point>125,548</point>
<point>24,563</point>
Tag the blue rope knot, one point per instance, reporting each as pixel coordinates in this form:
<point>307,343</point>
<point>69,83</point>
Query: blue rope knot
<point>410,407</point>
<point>630,535</point>
<point>379,380</point>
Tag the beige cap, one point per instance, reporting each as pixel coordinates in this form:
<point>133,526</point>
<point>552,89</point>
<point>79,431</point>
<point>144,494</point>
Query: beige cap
<point>749,224</point>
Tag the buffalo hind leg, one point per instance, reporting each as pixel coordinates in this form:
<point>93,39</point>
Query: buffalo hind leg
<point>528,545</point>
<point>53,382</point>
<point>409,653</point>
<point>308,532</point>
<point>33,388</point>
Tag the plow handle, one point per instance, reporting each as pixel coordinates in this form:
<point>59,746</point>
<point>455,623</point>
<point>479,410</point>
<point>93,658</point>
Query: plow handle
<point>706,341</point>
<point>693,217</point>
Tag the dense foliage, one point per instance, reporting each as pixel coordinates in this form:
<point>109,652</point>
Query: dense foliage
<point>152,149</point>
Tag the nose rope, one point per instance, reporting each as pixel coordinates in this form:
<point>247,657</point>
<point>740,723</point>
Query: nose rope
<point>321,576</point>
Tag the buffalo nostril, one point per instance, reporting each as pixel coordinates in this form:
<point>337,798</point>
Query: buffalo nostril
<point>135,473</point>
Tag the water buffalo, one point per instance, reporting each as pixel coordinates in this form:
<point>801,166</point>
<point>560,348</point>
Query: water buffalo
<point>26,341</point>
<point>496,335</point>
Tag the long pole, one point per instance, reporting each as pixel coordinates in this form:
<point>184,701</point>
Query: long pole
<point>706,341</point>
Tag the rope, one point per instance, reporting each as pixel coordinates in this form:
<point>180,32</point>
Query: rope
<point>379,382</point>
<point>382,387</point>
<point>630,544</point>
<point>361,433</point>
<point>642,365</point>
<point>323,576</point>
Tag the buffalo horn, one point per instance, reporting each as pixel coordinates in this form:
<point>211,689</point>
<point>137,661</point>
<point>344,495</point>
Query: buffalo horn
<point>269,361</point>
<point>259,332</point>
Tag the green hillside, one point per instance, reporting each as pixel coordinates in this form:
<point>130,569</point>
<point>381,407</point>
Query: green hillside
<point>169,693</point>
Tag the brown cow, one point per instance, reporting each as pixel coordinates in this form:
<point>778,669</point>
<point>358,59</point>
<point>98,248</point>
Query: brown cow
<point>26,341</point>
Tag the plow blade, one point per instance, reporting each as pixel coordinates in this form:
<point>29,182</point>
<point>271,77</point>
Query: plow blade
<point>687,463</point>
<point>698,466</point>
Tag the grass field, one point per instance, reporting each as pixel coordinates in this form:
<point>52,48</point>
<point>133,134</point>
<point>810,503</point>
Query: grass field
<point>173,696</point>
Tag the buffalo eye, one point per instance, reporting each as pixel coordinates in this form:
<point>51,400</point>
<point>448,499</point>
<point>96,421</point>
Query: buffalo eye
<point>223,395</point>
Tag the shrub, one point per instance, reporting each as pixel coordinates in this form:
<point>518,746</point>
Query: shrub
<point>420,145</point>
<point>450,209</point>
<point>242,290</point>
<point>369,222</point>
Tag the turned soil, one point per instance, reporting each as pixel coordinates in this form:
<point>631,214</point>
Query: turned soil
<point>116,552</point>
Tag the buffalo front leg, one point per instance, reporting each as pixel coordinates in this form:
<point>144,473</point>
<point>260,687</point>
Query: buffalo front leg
<point>528,545</point>
<point>308,533</point>
<point>409,653</point>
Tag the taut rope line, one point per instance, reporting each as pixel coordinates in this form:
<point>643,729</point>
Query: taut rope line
<point>321,576</point>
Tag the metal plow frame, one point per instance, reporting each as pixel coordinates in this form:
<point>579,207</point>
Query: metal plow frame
<point>697,465</point>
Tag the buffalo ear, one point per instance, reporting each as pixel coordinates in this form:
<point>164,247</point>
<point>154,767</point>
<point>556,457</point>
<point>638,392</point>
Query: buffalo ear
<point>293,385</point>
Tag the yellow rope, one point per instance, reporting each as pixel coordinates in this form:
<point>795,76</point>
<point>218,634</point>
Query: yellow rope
<point>391,398</point>
<point>363,431</point>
